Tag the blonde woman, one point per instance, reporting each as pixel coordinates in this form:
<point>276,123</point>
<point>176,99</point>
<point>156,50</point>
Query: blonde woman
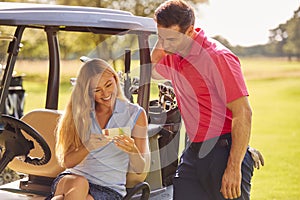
<point>96,165</point>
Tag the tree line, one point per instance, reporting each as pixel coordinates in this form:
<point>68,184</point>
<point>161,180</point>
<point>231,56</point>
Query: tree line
<point>284,40</point>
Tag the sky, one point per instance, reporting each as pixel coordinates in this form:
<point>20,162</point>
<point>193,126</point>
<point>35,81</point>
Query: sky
<point>244,22</point>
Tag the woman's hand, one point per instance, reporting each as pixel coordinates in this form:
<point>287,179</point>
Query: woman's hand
<point>97,141</point>
<point>75,156</point>
<point>125,143</point>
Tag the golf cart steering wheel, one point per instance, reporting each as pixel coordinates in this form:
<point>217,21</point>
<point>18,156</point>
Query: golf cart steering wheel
<point>15,144</point>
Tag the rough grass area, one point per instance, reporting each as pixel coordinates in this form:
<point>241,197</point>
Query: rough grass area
<point>35,79</point>
<point>276,133</point>
<point>274,87</point>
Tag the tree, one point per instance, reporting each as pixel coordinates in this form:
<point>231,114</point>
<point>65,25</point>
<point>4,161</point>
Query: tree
<point>285,39</point>
<point>144,8</point>
<point>137,7</point>
<point>292,45</point>
<point>222,40</point>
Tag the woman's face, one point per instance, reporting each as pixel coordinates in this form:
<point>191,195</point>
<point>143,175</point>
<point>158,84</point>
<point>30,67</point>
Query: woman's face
<point>104,88</point>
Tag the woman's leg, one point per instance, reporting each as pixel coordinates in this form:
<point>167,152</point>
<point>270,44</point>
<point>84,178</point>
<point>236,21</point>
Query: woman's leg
<point>89,197</point>
<point>58,197</point>
<point>72,187</point>
<point>61,197</point>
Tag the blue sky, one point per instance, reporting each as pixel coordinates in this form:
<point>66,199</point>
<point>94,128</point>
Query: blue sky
<point>244,22</point>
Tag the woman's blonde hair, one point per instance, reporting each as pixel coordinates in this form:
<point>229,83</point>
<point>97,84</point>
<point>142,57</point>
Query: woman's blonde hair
<point>74,126</point>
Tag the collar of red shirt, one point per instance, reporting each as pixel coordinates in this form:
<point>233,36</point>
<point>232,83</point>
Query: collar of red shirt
<point>199,39</point>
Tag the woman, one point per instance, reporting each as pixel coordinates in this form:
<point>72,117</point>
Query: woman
<point>96,164</point>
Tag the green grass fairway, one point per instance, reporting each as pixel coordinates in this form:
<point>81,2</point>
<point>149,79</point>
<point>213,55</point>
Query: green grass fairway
<point>274,87</point>
<point>276,132</point>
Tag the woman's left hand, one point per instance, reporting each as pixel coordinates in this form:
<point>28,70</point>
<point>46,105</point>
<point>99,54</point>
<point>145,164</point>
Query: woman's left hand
<point>125,143</point>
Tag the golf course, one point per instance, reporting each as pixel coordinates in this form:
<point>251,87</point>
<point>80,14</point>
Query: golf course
<point>274,88</point>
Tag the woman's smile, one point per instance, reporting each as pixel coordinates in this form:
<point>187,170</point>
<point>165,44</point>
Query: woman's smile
<point>107,98</point>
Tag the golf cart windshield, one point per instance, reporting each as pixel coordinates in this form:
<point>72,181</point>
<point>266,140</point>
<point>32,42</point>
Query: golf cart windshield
<point>5,39</point>
<point>55,41</point>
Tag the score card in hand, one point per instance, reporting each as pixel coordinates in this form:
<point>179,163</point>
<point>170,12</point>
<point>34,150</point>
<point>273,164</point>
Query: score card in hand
<point>111,132</point>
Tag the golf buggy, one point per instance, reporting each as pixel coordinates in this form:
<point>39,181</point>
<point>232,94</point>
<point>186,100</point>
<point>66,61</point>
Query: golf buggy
<point>122,39</point>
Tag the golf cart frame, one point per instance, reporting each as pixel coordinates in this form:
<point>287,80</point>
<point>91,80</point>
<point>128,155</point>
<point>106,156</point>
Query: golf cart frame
<point>164,124</point>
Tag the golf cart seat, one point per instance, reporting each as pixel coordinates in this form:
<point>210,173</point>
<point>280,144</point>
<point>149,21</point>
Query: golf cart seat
<point>41,177</point>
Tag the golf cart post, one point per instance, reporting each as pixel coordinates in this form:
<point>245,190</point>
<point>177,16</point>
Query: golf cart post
<point>27,144</point>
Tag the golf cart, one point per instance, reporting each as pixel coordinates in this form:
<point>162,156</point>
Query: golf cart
<point>27,144</point>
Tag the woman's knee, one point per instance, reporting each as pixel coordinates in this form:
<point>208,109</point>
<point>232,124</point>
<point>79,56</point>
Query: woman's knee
<point>72,182</point>
<point>89,197</point>
<point>58,197</point>
<point>78,181</point>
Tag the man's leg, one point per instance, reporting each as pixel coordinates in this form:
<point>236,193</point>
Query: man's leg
<point>217,160</point>
<point>186,183</point>
<point>247,173</point>
<point>220,157</point>
<point>201,178</point>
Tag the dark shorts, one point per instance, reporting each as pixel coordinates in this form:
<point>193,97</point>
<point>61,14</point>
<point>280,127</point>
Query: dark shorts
<point>199,177</point>
<point>98,192</point>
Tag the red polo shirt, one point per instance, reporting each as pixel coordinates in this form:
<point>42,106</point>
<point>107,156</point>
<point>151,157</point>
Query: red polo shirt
<point>204,82</point>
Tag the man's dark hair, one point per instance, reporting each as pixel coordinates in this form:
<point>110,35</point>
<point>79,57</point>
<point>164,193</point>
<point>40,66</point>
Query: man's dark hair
<point>175,12</point>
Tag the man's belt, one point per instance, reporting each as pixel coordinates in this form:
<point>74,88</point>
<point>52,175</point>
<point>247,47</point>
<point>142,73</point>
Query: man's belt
<point>222,141</point>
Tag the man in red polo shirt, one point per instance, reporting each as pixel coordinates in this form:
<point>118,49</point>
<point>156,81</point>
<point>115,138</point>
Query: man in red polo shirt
<point>213,101</point>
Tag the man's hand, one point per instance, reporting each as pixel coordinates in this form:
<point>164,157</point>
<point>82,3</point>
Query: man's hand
<point>257,157</point>
<point>231,182</point>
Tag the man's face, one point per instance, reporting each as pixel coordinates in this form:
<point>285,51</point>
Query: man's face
<point>172,40</point>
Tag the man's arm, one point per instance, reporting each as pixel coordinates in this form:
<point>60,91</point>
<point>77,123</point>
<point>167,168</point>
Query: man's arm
<point>156,55</point>
<point>241,128</point>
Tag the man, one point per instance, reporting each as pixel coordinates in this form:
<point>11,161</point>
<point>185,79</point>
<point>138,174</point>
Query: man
<point>213,100</point>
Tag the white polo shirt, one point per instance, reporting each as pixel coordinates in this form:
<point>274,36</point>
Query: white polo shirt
<point>108,166</point>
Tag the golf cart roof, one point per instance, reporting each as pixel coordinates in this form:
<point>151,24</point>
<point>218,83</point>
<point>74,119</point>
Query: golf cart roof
<point>72,17</point>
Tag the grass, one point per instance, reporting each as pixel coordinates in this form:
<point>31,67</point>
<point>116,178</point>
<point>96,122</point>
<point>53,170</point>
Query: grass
<point>35,78</point>
<point>274,87</point>
<point>276,133</point>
